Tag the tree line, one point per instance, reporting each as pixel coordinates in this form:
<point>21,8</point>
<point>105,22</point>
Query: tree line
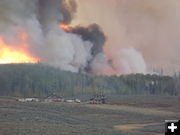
<point>39,80</point>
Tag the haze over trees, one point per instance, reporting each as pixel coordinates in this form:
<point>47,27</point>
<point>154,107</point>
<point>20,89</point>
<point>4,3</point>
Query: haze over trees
<point>25,80</point>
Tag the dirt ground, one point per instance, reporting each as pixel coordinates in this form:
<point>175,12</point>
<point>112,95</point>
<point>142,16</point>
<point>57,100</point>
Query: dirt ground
<point>123,118</point>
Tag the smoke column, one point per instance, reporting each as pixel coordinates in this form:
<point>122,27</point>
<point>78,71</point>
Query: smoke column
<point>40,19</point>
<point>82,49</point>
<point>151,27</point>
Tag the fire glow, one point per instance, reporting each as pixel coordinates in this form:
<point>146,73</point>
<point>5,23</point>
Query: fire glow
<point>17,53</point>
<point>65,27</point>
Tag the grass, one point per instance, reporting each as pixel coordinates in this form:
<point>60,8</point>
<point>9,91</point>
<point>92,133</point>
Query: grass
<point>81,119</point>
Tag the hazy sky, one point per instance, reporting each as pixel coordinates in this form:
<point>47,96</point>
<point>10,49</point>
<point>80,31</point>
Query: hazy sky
<point>152,27</point>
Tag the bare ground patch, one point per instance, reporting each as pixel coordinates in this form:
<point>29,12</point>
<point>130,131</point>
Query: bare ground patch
<point>145,111</point>
<point>131,127</point>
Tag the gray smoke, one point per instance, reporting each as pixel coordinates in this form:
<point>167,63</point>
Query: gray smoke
<point>40,19</point>
<point>93,34</point>
<point>151,27</point>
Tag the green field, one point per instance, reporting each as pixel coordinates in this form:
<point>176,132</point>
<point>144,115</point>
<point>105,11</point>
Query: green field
<point>129,116</point>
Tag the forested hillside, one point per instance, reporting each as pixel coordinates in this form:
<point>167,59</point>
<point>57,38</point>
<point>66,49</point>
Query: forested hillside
<point>41,80</point>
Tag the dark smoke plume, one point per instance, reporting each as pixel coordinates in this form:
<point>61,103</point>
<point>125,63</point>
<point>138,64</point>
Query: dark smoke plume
<point>79,50</point>
<point>72,51</point>
<point>94,34</point>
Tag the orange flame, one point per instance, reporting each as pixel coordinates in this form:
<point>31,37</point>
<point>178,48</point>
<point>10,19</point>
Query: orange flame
<point>17,53</point>
<point>65,27</point>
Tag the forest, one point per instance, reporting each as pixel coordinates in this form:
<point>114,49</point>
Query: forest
<point>40,80</point>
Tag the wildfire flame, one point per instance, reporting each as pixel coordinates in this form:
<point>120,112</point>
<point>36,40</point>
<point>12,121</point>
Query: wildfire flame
<point>16,53</point>
<point>65,27</point>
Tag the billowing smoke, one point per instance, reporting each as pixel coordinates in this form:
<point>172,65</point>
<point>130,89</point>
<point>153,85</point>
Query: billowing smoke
<point>81,49</point>
<point>40,19</point>
<point>93,34</point>
<point>152,27</point>
<point>123,61</point>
